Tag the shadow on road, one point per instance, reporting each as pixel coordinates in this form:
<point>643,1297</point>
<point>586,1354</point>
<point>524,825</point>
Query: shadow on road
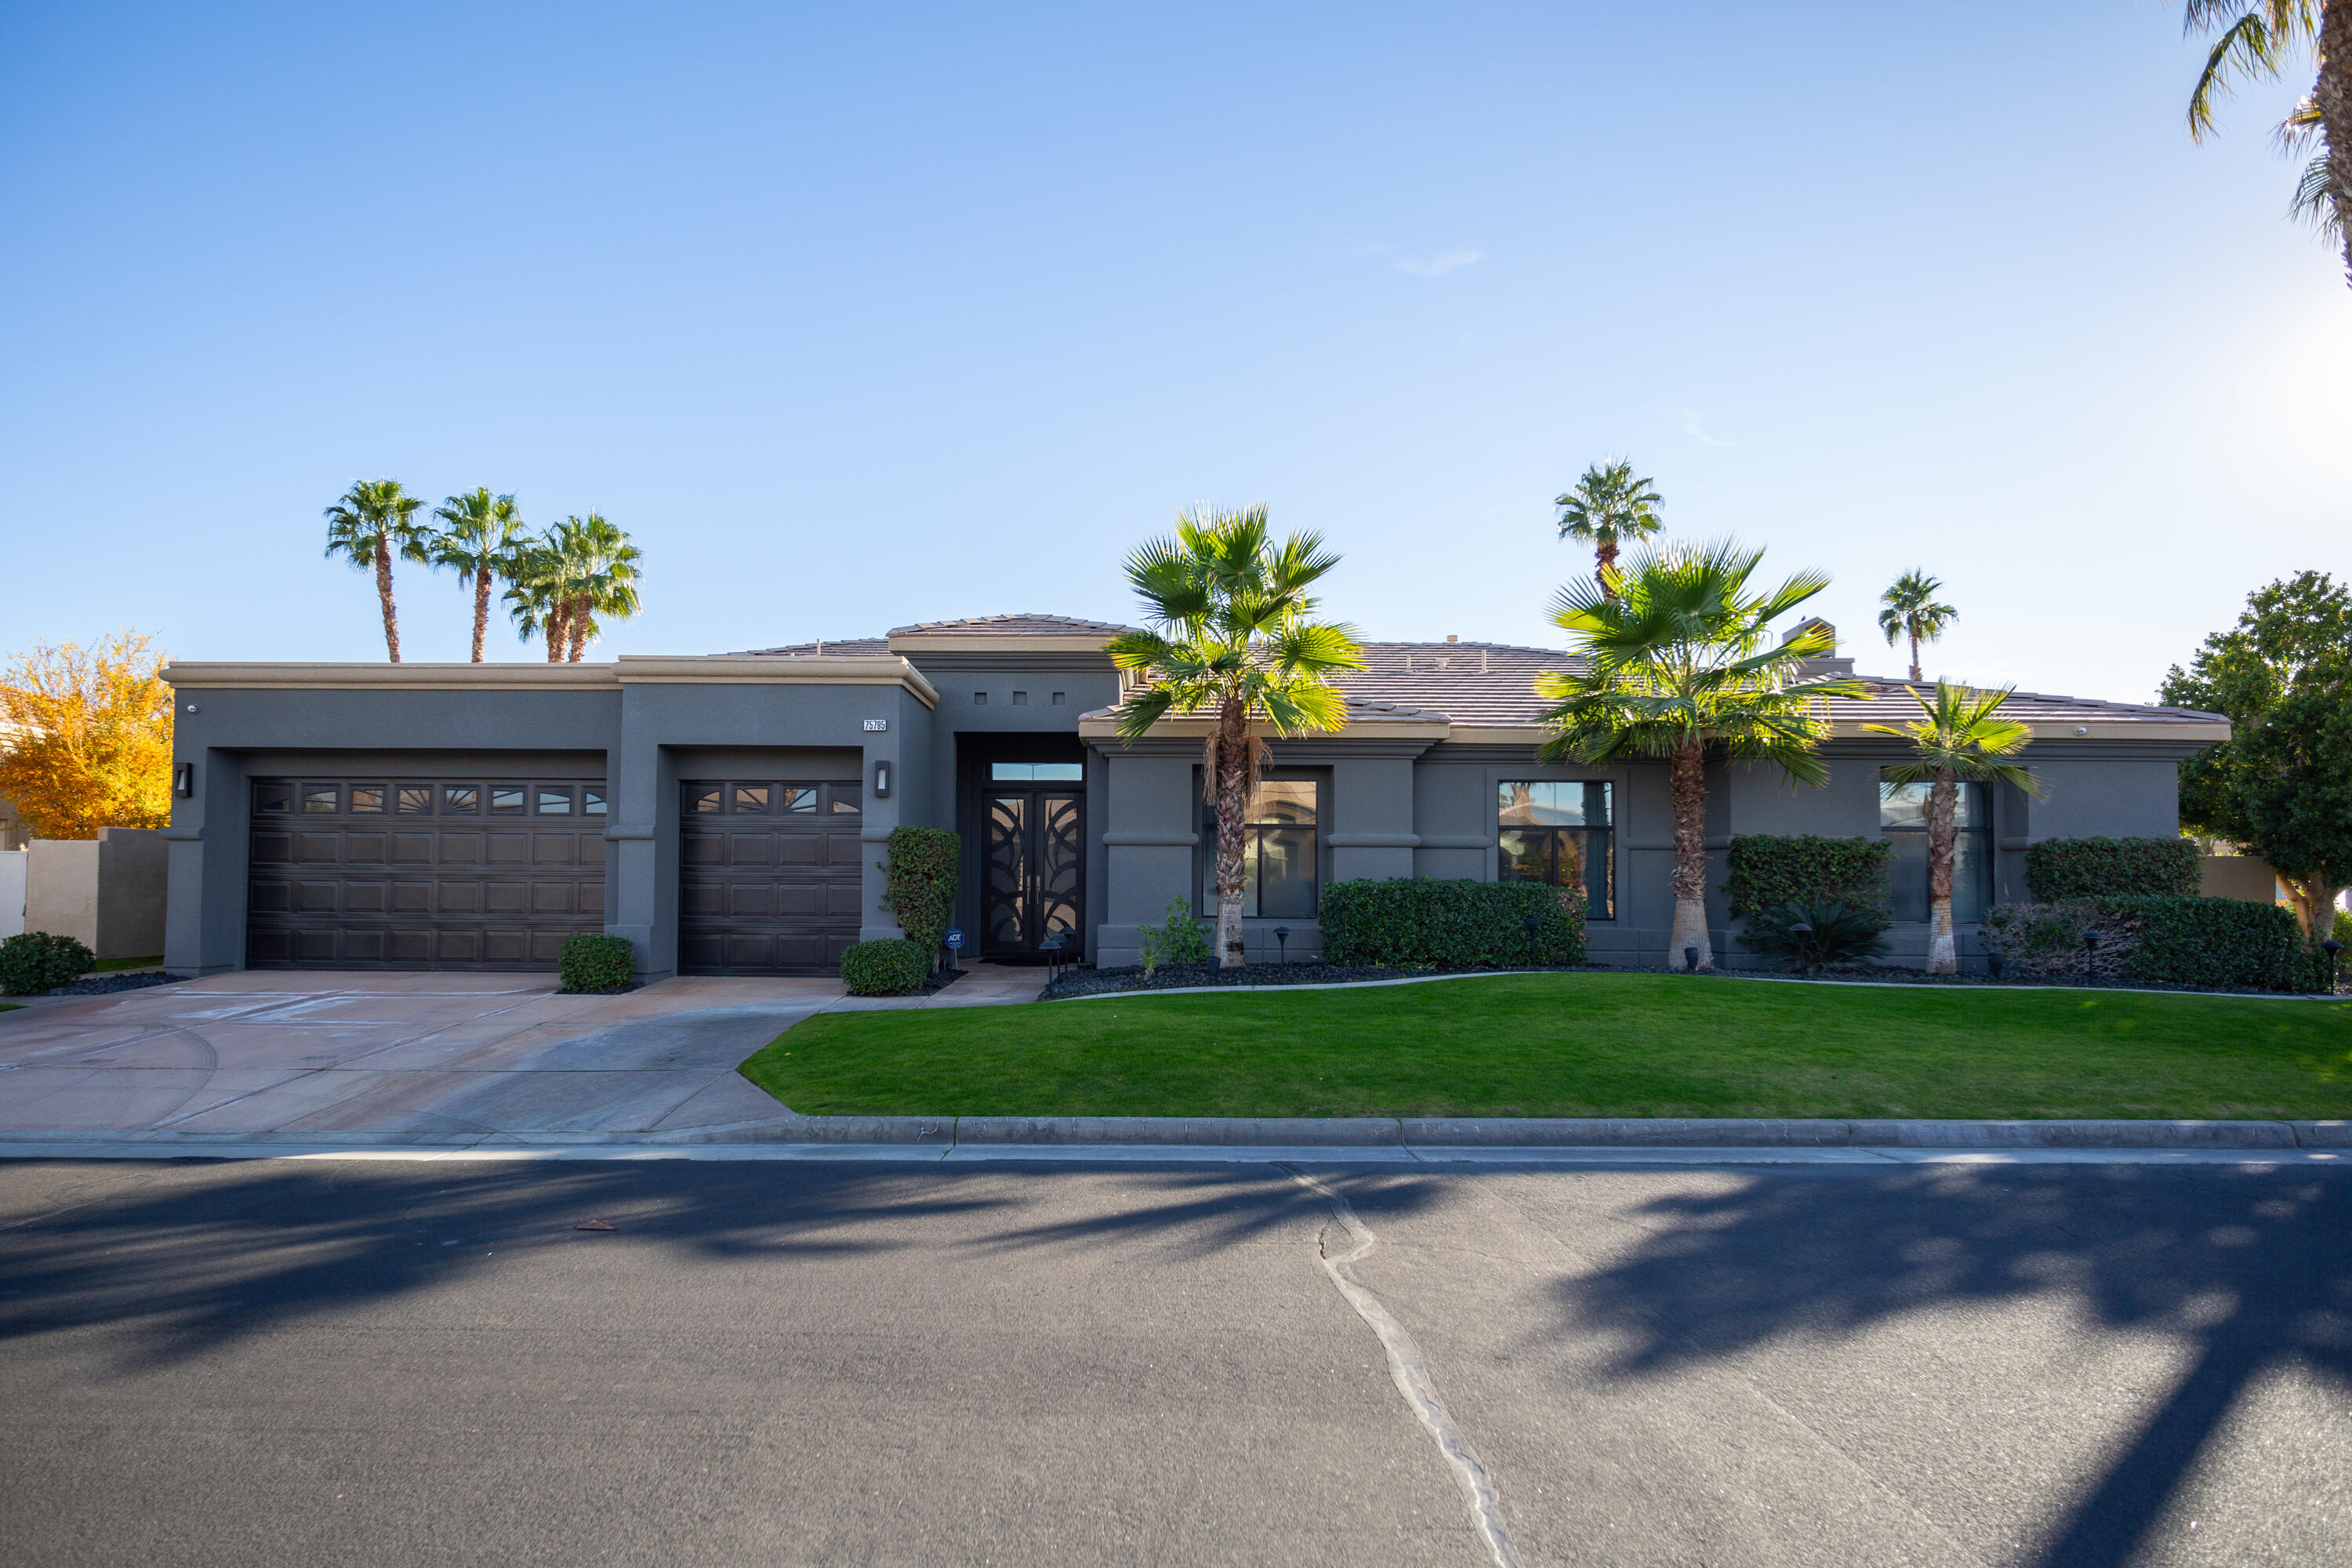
<point>2252,1268</point>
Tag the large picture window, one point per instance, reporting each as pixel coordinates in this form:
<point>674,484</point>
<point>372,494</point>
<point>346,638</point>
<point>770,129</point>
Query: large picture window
<point>1561,833</point>
<point>1278,853</point>
<point>1903,817</point>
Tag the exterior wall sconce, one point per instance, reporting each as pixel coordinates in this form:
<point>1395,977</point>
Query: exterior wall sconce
<point>184,784</point>
<point>882,780</point>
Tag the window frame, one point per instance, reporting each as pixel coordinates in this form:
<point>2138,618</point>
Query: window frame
<point>1205,882</point>
<point>1984,843</point>
<point>1600,892</point>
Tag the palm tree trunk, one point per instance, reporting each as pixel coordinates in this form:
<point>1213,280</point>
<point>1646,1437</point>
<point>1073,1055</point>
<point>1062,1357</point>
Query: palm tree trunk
<point>481,610</point>
<point>2332,93</point>
<point>1604,556</point>
<point>1914,658</point>
<point>555,634</point>
<point>1688,770</point>
<point>1943,801</point>
<point>1231,759</point>
<point>577,619</point>
<point>384,592</point>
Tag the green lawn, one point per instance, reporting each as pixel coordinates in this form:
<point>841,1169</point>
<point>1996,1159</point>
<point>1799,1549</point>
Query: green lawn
<point>1581,1045</point>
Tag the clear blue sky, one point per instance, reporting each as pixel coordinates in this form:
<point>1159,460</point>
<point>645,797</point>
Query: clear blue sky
<point>861,315</point>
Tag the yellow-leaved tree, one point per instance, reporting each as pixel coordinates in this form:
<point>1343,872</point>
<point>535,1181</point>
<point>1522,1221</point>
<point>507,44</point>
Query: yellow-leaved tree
<point>87,742</point>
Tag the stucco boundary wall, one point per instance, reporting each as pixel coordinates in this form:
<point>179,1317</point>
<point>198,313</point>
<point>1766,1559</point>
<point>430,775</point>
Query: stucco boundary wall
<point>1435,1133</point>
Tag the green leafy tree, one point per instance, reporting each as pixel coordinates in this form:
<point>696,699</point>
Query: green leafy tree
<point>2255,39</point>
<point>367,525</point>
<point>1233,636</point>
<point>481,540</point>
<point>2281,784</point>
<point>1608,509</point>
<point>1674,659</point>
<point>1911,611</point>
<point>1960,737</point>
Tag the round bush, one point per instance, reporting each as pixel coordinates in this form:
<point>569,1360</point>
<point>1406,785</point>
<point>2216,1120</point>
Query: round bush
<point>37,962</point>
<point>891,967</point>
<point>596,962</point>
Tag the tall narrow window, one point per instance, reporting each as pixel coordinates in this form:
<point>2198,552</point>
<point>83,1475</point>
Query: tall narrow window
<point>1279,853</point>
<point>1903,817</point>
<point>1560,833</point>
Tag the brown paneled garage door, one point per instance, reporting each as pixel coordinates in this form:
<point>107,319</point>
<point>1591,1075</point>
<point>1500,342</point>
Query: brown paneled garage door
<point>408,873</point>
<point>771,877</point>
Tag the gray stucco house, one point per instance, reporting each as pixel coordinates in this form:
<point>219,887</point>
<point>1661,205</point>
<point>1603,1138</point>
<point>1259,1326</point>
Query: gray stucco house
<point>726,813</point>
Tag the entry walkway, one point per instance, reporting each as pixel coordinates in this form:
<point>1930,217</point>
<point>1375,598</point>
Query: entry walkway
<point>435,1059</point>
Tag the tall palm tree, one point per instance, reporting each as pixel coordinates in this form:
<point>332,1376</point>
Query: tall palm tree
<point>1610,508</point>
<point>541,586</point>
<point>602,568</point>
<point>2256,39</point>
<point>482,541</point>
<point>1233,635</point>
<point>1961,738</point>
<point>366,526</point>
<point>1911,611</point>
<point>1677,660</point>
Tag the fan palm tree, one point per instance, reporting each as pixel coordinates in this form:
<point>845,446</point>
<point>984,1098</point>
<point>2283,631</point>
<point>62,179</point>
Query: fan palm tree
<point>539,594</point>
<point>1911,611</point>
<point>602,568</point>
<point>1233,635</point>
<point>1676,660</point>
<point>1961,738</point>
<point>2257,39</point>
<point>482,541</point>
<point>1610,508</point>
<point>366,525</point>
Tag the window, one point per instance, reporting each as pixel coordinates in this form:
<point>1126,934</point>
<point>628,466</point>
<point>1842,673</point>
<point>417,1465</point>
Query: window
<point>844,799</point>
<point>461,799</point>
<point>1560,833</point>
<point>367,798</point>
<point>273,797</point>
<point>1042,772</point>
<point>592,802</point>
<point>320,798</point>
<point>554,800</point>
<point>1279,878</point>
<point>506,799</point>
<point>701,797</point>
<point>800,797</point>
<point>415,800</point>
<point>1903,817</point>
<point>751,798</point>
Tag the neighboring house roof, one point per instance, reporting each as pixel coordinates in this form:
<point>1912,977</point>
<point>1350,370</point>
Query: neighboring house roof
<point>848,648</point>
<point>1019,633</point>
<point>1013,626</point>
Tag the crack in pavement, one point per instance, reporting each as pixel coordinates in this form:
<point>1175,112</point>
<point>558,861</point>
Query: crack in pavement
<point>1410,1373</point>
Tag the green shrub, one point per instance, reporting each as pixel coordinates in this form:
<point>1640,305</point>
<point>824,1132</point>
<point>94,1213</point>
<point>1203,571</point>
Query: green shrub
<point>596,962</point>
<point>1455,925</point>
<point>2058,870</point>
<point>1179,939</point>
<point>36,961</point>
<point>1769,871</point>
<point>1837,936</point>
<point>891,967</point>
<point>919,882</point>
<point>2170,941</point>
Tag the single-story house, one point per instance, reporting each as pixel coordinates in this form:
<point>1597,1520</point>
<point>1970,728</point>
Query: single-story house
<point>726,813</point>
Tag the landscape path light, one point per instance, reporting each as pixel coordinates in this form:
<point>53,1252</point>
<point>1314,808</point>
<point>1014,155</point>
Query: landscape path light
<point>1800,931</point>
<point>2334,950</point>
<point>1282,939</point>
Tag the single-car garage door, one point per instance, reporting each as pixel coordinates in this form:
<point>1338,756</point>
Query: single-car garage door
<point>407,873</point>
<point>771,875</point>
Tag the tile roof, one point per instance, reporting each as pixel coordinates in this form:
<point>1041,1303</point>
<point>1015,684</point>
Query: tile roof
<point>847,648</point>
<point>1013,626</point>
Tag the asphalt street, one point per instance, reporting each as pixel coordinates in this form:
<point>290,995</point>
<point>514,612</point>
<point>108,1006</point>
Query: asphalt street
<point>356,1362</point>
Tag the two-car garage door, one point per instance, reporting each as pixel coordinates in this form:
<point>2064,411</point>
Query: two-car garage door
<point>484,873</point>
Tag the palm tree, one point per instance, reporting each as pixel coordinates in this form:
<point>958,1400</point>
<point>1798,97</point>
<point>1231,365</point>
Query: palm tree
<point>2257,38</point>
<point>1911,611</point>
<point>1961,738</point>
<point>536,594</point>
<point>1610,508</point>
<point>483,541</point>
<point>601,569</point>
<point>1233,635</point>
<point>364,526</point>
<point>1676,660</point>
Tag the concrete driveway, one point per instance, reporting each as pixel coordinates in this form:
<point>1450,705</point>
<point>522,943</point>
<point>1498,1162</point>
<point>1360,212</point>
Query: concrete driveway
<point>454,1059</point>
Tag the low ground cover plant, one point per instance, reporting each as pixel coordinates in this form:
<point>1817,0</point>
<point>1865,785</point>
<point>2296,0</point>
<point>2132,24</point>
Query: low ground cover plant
<point>2061,870</point>
<point>596,962</point>
<point>34,961</point>
<point>893,966</point>
<point>1412,920</point>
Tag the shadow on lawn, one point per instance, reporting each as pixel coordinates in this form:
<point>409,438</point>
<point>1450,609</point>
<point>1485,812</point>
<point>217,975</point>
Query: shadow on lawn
<point>2251,1268</point>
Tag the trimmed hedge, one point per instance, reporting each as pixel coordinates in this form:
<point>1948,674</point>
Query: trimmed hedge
<point>2169,940</point>
<point>1410,920</point>
<point>920,882</point>
<point>34,961</point>
<point>890,967</point>
<point>1770,870</point>
<point>594,962</point>
<point>2059,870</point>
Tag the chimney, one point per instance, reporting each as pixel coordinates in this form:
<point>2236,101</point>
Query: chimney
<point>1821,668</point>
<point>1451,637</point>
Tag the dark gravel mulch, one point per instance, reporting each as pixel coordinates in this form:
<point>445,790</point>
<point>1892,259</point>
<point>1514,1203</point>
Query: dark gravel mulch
<point>107,985</point>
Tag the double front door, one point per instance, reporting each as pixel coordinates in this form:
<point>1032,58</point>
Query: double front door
<point>1033,865</point>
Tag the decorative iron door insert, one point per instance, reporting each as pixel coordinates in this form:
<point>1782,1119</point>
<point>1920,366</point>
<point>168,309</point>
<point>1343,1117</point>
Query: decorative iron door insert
<point>1036,858</point>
